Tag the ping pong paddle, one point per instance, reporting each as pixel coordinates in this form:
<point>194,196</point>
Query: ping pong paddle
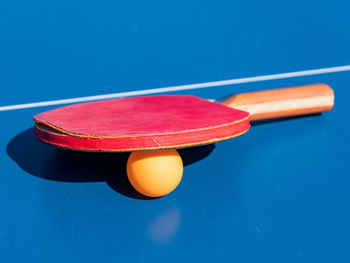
<point>172,121</point>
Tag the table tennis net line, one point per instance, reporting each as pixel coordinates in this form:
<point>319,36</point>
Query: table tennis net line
<point>180,87</point>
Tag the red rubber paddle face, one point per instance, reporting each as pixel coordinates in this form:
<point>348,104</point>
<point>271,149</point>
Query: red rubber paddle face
<point>140,123</point>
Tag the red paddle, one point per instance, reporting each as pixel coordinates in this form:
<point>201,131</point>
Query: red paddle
<point>140,123</point>
<point>171,121</point>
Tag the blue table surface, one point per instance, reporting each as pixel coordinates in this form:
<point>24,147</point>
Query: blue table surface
<point>279,193</point>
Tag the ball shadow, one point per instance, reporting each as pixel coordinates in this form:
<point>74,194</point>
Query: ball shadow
<point>51,163</point>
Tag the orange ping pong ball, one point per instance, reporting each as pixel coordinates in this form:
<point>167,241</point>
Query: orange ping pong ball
<point>155,173</point>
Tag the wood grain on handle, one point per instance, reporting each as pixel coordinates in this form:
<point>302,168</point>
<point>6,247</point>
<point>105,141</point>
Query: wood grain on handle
<point>285,102</point>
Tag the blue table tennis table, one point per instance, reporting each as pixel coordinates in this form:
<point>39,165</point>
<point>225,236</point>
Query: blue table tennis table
<point>279,193</point>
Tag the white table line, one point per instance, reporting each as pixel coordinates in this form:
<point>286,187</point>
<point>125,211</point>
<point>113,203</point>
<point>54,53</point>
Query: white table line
<point>180,87</point>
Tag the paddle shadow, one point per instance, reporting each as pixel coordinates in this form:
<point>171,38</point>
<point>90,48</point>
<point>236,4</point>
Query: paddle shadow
<point>264,122</point>
<point>51,163</point>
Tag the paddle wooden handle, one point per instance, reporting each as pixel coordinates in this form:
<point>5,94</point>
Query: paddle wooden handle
<point>285,102</point>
